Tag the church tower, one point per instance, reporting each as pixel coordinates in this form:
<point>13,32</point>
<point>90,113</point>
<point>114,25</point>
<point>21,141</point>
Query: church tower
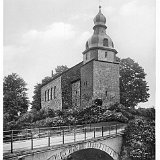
<point>100,70</point>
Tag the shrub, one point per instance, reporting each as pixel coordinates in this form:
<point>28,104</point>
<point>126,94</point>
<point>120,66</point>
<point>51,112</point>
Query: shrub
<point>27,117</point>
<point>127,115</point>
<point>48,122</point>
<point>139,140</point>
<point>116,107</point>
<point>120,117</point>
<point>147,112</point>
<point>98,102</point>
<point>10,126</point>
<point>114,116</point>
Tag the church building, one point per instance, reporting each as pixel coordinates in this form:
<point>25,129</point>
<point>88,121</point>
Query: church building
<point>96,77</point>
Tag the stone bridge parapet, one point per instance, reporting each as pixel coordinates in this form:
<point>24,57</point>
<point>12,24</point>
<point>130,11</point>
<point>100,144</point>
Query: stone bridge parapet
<point>96,145</point>
<point>110,145</point>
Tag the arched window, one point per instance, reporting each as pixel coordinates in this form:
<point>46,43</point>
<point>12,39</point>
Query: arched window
<point>51,93</point>
<point>54,92</point>
<point>45,96</point>
<point>86,56</point>
<point>105,42</point>
<point>112,45</point>
<point>106,54</point>
<point>48,94</point>
<point>87,45</point>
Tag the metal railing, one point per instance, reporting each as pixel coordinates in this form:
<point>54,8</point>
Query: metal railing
<point>29,139</point>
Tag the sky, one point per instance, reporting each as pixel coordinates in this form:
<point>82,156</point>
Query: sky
<point>39,35</point>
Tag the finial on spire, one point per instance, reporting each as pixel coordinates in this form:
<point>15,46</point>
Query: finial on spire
<point>99,9</point>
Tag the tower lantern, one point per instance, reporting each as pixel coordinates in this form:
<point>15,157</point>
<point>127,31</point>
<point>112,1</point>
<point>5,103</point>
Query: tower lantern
<point>99,46</point>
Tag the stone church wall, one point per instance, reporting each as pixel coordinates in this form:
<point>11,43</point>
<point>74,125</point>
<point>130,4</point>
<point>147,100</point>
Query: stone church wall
<point>76,94</point>
<point>106,81</point>
<point>86,84</point>
<point>54,100</point>
<point>70,76</point>
<point>110,57</point>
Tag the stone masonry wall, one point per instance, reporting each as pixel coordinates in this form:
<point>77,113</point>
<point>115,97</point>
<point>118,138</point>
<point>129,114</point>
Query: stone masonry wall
<point>76,94</point>
<point>110,56</point>
<point>55,100</point>
<point>90,55</point>
<point>86,84</point>
<point>106,81</point>
<point>70,76</point>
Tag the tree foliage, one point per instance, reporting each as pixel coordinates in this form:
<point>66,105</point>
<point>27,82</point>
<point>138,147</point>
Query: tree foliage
<point>60,69</point>
<point>139,140</point>
<point>15,100</point>
<point>93,114</point>
<point>46,80</point>
<point>147,112</point>
<point>133,87</point>
<point>36,103</point>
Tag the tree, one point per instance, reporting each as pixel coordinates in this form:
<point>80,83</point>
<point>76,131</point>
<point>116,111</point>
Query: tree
<point>36,103</point>
<point>133,87</point>
<point>139,140</point>
<point>46,80</point>
<point>15,100</point>
<point>60,69</point>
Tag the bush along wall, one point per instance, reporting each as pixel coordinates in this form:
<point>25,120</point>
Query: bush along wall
<point>48,117</point>
<point>139,140</point>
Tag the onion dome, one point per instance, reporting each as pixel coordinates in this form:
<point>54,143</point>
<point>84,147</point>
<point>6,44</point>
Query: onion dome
<point>99,41</point>
<point>99,38</point>
<point>100,19</point>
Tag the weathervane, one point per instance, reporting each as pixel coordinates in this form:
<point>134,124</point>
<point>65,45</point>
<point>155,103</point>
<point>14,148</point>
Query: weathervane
<point>99,5</point>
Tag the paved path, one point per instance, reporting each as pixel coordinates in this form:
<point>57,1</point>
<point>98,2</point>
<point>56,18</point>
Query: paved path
<point>56,140</point>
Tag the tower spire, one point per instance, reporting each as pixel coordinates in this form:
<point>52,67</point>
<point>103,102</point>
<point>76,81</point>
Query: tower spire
<point>100,8</point>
